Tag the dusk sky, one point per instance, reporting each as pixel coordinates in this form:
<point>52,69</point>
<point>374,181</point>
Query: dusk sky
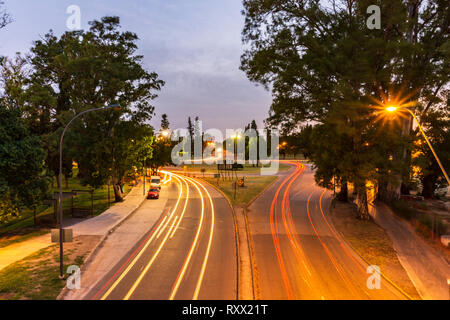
<point>194,46</point>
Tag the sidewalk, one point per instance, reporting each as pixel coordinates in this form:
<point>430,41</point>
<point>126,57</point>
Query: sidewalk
<point>100,225</point>
<point>426,268</point>
<point>20,250</point>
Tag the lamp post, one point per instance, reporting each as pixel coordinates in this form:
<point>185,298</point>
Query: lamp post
<point>235,137</point>
<point>395,108</point>
<point>61,254</point>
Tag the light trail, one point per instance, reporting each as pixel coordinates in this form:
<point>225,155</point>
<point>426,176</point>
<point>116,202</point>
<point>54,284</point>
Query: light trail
<point>180,276</point>
<point>130,266</point>
<point>155,255</point>
<point>290,227</point>
<point>194,245</point>
<point>205,259</point>
<point>276,240</point>
<point>328,252</point>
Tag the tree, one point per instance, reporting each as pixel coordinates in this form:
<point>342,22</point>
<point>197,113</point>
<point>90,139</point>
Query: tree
<point>437,129</point>
<point>13,79</point>
<point>162,154</point>
<point>164,122</point>
<point>22,183</point>
<point>86,69</point>
<point>324,65</point>
<point>5,17</point>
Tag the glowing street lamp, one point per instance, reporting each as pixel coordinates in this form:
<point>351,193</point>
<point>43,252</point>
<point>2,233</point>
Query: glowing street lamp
<point>165,133</point>
<point>393,108</point>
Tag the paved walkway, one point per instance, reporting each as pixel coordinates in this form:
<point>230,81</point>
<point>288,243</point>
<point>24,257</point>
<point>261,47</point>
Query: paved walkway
<point>426,268</point>
<point>102,224</point>
<point>99,225</point>
<point>20,250</point>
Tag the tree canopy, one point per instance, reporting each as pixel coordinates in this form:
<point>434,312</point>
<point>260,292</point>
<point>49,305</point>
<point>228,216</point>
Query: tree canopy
<point>323,64</point>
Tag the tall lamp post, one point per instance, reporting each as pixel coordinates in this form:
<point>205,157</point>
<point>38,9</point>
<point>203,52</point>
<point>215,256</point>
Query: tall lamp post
<point>61,254</point>
<point>235,138</point>
<point>395,108</point>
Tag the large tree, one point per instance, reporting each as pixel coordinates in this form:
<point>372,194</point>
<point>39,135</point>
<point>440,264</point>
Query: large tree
<point>323,64</point>
<point>88,69</point>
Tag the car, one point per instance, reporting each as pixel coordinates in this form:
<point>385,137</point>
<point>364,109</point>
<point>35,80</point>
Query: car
<point>153,193</point>
<point>155,182</point>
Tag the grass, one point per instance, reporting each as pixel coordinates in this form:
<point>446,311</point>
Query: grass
<point>372,244</point>
<point>244,195</point>
<point>36,276</point>
<point>248,168</point>
<point>45,213</point>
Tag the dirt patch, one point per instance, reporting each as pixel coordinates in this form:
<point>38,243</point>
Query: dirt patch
<point>36,276</point>
<point>372,244</point>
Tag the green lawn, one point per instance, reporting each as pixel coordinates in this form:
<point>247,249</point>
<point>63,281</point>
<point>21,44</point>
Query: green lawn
<point>26,221</point>
<point>252,187</point>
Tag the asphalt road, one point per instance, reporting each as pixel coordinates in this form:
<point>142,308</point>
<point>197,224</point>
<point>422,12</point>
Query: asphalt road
<point>297,252</point>
<point>189,253</point>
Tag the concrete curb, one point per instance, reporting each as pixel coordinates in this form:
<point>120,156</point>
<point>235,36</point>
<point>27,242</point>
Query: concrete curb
<point>97,247</point>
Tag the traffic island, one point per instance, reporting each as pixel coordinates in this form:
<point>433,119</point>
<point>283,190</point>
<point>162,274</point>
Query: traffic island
<point>371,243</point>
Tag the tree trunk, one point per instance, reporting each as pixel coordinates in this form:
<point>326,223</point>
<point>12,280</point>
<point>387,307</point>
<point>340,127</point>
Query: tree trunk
<point>361,201</point>
<point>66,178</point>
<point>118,195</point>
<point>429,186</point>
<point>343,193</point>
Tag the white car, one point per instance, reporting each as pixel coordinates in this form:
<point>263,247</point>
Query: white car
<point>155,182</point>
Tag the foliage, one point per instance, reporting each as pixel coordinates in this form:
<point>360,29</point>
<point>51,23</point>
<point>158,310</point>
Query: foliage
<point>88,69</point>
<point>437,128</point>
<point>21,165</point>
<point>324,65</point>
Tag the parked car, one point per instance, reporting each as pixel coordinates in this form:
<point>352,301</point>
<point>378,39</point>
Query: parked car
<point>153,193</point>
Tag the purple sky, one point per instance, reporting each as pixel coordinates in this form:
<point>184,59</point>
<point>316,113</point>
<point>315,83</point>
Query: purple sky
<point>194,45</point>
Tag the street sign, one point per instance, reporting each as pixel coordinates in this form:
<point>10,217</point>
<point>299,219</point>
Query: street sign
<point>67,235</point>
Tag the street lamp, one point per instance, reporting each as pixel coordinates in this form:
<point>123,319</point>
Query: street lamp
<point>165,133</point>
<point>392,108</point>
<point>235,138</point>
<point>61,256</point>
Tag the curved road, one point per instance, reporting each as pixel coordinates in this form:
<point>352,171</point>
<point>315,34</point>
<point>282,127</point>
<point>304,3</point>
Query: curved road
<point>190,252</point>
<point>297,252</point>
